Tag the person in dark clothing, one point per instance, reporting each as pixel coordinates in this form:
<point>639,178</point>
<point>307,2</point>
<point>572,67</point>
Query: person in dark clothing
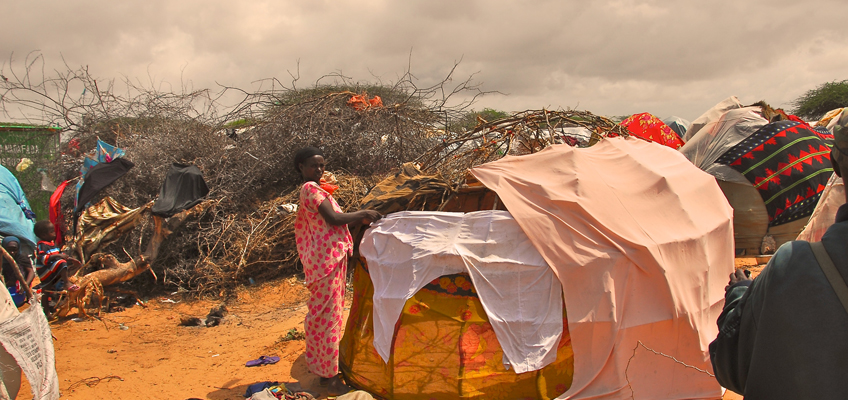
<point>784,335</point>
<point>13,247</point>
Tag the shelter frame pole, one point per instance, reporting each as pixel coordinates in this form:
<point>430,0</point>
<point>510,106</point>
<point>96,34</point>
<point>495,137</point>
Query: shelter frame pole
<point>20,276</point>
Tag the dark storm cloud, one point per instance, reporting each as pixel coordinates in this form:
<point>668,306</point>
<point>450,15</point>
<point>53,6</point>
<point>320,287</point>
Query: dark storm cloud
<point>612,58</point>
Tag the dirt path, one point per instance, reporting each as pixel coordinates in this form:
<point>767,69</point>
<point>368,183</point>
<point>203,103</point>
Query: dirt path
<point>155,358</point>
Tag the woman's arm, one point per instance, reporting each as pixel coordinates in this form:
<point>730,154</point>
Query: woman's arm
<point>335,218</point>
<point>25,266</point>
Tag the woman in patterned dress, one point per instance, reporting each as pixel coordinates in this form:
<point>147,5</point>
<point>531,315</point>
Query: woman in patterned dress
<point>323,244</point>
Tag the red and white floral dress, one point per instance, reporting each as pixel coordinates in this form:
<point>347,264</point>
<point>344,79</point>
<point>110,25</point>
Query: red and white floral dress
<point>323,251</point>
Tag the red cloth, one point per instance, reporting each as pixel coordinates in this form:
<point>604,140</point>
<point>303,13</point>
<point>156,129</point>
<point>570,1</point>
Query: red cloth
<point>650,128</point>
<point>376,101</point>
<point>55,213</point>
<point>328,182</point>
<point>328,187</point>
<point>361,102</point>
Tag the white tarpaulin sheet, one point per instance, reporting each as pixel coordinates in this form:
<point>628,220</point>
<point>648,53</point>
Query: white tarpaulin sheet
<point>518,290</point>
<point>711,115</point>
<point>719,136</point>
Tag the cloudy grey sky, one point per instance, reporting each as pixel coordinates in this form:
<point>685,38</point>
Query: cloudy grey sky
<point>609,57</point>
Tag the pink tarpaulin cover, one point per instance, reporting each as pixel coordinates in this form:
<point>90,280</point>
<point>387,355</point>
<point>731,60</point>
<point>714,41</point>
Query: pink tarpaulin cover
<point>642,242</point>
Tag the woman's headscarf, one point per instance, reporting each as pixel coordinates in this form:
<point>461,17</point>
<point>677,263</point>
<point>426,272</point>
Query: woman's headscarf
<point>10,239</point>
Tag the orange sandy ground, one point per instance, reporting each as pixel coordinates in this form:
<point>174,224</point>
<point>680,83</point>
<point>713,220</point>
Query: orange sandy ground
<point>155,358</point>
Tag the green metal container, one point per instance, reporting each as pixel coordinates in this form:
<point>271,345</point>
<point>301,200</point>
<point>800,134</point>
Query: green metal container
<point>37,143</point>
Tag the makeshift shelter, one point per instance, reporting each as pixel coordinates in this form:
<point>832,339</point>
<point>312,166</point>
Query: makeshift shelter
<point>445,343</point>
<point>772,173</point>
<point>788,164</point>
<point>638,238</point>
<point>712,115</point>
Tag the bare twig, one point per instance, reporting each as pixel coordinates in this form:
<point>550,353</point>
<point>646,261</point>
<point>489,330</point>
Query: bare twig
<point>640,344</point>
<point>244,150</point>
<point>93,381</point>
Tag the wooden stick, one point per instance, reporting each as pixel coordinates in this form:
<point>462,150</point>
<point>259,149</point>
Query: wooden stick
<point>20,276</point>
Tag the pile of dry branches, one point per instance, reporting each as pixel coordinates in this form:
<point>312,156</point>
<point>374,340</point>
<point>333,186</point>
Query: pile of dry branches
<point>222,248</point>
<point>244,151</point>
<point>521,133</point>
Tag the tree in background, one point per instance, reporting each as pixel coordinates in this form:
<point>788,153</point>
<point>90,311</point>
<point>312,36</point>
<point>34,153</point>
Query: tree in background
<point>471,119</point>
<point>817,102</point>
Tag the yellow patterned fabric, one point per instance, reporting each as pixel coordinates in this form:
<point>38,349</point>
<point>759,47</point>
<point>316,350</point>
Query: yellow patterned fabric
<point>444,348</point>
